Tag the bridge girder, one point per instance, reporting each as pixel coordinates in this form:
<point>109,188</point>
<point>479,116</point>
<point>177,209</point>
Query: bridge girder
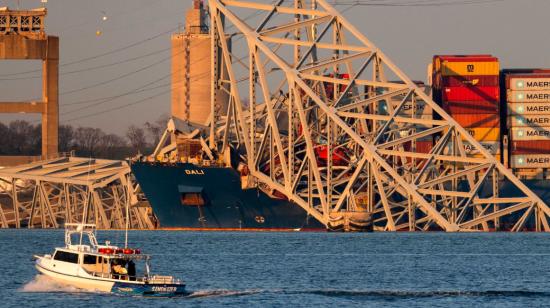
<point>330,122</point>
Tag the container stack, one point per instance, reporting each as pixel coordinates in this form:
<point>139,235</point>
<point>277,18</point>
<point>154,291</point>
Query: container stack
<point>467,87</point>
<point>528,112</point>
<point>411,109</point>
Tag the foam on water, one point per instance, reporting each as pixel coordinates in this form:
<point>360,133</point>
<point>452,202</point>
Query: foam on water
<point>44,284</point>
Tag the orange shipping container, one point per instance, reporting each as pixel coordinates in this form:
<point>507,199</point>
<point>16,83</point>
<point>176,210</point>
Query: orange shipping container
<point>476,66</point>
<point>477,120</point>
<point>484,134</point>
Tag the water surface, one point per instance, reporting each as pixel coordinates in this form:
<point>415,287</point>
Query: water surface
<point>305,269</point>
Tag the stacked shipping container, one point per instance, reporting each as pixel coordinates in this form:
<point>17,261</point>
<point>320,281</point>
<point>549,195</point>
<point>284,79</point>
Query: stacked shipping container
<point>411,109</point>
<point>467,87</point>
<point>528,111</point>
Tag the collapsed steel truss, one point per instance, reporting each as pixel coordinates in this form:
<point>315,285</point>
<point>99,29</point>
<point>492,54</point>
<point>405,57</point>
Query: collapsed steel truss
<point>47,193</point>
<point>308,85</point>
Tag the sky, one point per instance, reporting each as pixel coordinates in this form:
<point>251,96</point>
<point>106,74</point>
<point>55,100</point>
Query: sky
<point>513,30</point>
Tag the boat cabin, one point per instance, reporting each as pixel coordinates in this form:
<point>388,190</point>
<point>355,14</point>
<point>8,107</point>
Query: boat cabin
<point>105,261</point>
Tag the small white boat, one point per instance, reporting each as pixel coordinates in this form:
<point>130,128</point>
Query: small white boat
<point>85,264</point>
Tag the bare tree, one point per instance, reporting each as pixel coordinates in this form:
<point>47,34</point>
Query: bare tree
<point>88,139</point>
<point>66,138</point>
<point>24,138</point>
<point>111,146</point>
<point>136,136</point>
<point>156,129</point>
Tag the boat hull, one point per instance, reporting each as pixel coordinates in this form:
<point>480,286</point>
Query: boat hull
<point>117,287</point>
<point>227,206</point>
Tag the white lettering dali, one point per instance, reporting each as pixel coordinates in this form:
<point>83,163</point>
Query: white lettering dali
<point>194,172</point>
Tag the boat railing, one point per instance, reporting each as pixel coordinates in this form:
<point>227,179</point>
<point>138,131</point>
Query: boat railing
<point>164,279</point>
<point>119,276</point>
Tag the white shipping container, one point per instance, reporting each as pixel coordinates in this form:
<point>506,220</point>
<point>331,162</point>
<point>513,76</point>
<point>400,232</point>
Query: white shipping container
<point>530,161</point>
<point>529,120</point>
<point>492,147</point>
<point>528,108</point>
<point>529,96</point>
<point>420,109</point>
<point>529,84</point>
<point>529,133</point>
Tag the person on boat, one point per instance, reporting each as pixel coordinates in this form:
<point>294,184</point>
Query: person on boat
<point>132,270</point>
<point>119,269</point>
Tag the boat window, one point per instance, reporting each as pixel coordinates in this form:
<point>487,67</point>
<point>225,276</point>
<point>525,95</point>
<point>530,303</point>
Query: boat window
<point>66,256</point>
<point>89,259</point>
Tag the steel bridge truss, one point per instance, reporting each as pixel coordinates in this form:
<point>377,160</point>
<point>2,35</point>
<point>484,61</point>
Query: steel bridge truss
<point>47,193</point>
<point>321,115</point>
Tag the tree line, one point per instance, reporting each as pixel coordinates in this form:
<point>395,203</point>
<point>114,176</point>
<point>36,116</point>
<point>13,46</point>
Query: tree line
<point>21,137</point>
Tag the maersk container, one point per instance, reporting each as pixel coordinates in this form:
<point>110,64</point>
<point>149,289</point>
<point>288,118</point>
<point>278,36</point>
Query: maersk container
<point>528,82</point>
<point>493,147</point>
<point>542,120</point>
<point>529,133</point>
<point>530,147</point>
<point>471,107</point>
<point>469,93</point>
<point>477,120</point>
<point>528,108</point>
<point>472,66</point>
<point>421,110</point>
<point>484,134</point>
<point>477,81</point>
<point>530,161</point>
<point>540,96</point>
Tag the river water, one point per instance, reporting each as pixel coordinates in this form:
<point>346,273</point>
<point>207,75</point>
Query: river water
<point>304,269</point>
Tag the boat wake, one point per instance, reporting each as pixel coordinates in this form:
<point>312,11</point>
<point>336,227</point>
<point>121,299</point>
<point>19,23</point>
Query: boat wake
<point>223,293</point>
<point>44,284</point>
<point>421,294</point>
<point>395,294</point>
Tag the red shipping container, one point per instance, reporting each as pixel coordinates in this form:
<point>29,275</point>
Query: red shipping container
<point>478,81</point>
<point>469,94</point>
<point>489,120</point>
<point>530,147</point>
<point>471,107</point>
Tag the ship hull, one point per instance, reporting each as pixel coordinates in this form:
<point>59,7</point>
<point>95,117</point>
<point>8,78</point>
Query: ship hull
<point>226,205</point>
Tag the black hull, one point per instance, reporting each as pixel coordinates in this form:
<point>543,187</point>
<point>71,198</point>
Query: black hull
<point>227,206</point>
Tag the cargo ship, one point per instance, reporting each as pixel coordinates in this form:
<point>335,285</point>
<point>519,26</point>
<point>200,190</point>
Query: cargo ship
<point>514,126</point>
<point>192,196</point>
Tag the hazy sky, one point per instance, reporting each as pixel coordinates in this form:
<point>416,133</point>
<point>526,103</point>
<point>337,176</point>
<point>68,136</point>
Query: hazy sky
<point>516,31</point>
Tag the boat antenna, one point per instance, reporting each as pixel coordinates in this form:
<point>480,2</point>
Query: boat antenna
<point>128,187</point>
<point>85,207</point>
